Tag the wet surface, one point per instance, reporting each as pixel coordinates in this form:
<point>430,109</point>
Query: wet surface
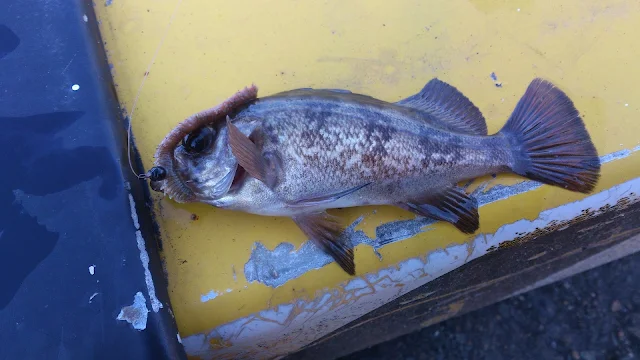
<point>592,315</point>
<point>9,41</point>
<point>69,257</point>
<point>42,167</point>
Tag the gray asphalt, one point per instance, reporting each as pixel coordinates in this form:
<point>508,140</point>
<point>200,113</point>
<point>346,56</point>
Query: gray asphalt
<point>593,315</point>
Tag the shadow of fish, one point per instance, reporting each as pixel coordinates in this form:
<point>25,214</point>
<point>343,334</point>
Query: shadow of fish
<point>301,152</point>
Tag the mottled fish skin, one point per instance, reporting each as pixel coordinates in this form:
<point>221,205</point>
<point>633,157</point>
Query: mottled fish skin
<point>328,141</point>
<point>304,151</point>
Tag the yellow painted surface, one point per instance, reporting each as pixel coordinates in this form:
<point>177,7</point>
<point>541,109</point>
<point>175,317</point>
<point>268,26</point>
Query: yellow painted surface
<point>387,49</point>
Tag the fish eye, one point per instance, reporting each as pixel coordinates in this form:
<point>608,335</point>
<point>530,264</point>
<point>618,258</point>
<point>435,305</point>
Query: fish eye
<point>199,140</point>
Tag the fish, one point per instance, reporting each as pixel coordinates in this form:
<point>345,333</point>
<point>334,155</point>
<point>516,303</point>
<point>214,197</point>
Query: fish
<point>302,152</point>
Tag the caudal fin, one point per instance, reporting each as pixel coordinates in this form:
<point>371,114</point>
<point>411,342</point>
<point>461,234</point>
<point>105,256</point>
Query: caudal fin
<point>549,140</point>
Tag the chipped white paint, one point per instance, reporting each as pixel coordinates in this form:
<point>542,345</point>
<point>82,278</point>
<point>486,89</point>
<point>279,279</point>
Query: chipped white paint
<point>277,331</point>
<point>156,305</point>
<point>92,269</point>
<point>134,213</point>
<point>75,87</point>
<point>136,313</point>
<point>179,338</point>
<point>209,296</point>
<point>85,18</point>
<point>212,295</point>
<point>92,296</point>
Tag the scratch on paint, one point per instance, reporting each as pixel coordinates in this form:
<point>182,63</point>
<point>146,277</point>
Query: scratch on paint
<point>287,327</point>
<point>135,314</point>
<point>284,263</point>
<point>92,296</point>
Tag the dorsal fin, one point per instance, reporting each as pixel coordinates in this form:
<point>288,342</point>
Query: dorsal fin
<point>448,108</point>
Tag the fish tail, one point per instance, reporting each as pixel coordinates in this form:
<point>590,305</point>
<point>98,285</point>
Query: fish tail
<point>549,141</point>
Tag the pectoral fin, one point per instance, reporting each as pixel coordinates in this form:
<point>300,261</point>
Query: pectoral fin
<point>325,232</point>
<point>319,200</point>
<point>453,206</point>
<point>250,158</point>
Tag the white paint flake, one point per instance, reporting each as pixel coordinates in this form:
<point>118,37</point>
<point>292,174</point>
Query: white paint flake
<point>209,296</point>
<point>85,18</point>
<point>156,305</point>
<point>92,296</point>
<point>92,269</point>
<point>75,87</point>
<point>179,338</point>
<point>212,295</point>
<point>135,314</point>
<point>134,213</point>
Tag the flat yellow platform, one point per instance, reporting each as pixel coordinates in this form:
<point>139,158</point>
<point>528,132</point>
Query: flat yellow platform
<point>245,286</point>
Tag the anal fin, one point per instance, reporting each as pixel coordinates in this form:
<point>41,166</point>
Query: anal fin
<point>325,232</point>
<point>453,206</point>
<point>448,108</point>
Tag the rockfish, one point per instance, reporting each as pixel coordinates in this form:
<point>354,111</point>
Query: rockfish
<point>298,153</point>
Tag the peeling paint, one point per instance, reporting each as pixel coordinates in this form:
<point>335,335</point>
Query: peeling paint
<point>156,305</point>
<point>287,327</point>
<point>275,267</point>
<point>92,269</point>
<point>212,295</point>
<point>135,314</point>
<point>134,213</point>
<point>92,296</point>
<point>209,296</point>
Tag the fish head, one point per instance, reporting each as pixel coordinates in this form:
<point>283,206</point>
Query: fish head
<point>201,169</point>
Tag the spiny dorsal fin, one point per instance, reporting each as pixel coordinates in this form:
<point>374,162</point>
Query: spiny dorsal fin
<point>453,206</point>
<point>448,108</point>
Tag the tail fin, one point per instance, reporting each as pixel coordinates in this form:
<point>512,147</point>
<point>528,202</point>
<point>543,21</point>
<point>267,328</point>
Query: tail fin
<point>549,140</point>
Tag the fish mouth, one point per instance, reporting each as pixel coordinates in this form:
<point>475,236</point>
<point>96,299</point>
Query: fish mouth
<point>173,185</point>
